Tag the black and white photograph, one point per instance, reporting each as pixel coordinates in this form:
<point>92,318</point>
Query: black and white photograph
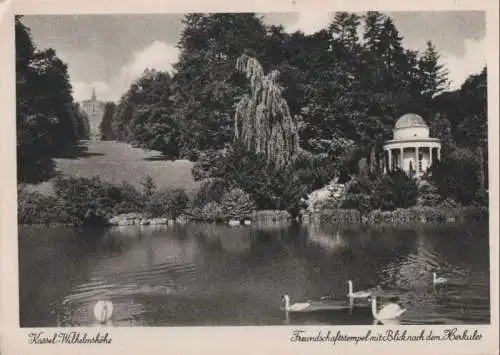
<point>306,179</point>
<point>227,169</point>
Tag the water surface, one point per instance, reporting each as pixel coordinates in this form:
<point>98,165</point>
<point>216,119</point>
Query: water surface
<point>204,274</point>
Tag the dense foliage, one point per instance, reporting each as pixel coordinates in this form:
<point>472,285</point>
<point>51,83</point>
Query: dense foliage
<point>91,201</point>
<point>48,120</point>
<point>105,127</point>
<point>269,116</point>
<point>335,84</point>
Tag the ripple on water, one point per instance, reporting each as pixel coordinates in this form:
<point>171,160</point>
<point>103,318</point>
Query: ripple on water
<point>125,290</point>
<point>228,276</point>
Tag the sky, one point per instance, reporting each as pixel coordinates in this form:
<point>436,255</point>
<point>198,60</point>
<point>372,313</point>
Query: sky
<point>108,52</point>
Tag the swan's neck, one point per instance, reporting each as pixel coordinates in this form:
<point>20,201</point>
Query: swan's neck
<point>287,303</point>
<point>374,307</point>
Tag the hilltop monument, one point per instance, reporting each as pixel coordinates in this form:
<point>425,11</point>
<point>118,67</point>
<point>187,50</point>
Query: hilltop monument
<point>95,111</point>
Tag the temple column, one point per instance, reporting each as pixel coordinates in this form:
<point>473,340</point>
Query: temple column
<point>439,153</point>
<point>390,159</point>
<point>430,157</point>
<point>401,158</point>
<point>385,162</point>
<point>417,168</point>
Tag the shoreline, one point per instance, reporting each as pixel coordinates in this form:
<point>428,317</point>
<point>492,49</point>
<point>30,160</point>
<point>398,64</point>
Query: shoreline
<point>399,217</point>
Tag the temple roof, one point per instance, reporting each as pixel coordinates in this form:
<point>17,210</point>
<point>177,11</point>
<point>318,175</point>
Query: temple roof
<point>410,120</point>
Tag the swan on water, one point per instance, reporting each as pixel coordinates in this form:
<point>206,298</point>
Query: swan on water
<point>323,305</point>
<point>438,280</point>
<point>358,294</point>
<point>388,311</point>
<point>103,310</point>
<point>296,307</point>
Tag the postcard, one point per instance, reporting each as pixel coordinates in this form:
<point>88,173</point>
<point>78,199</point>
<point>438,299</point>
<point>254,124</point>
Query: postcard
<point>265,177</point>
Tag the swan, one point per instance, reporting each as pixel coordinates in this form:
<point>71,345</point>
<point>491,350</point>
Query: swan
<point>388,312</point>
<point>296,307</point>
<point>358,294</point>
<point>438,280</point>
<point>103,310</point>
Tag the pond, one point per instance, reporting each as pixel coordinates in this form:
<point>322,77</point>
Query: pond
<point>205,274</point>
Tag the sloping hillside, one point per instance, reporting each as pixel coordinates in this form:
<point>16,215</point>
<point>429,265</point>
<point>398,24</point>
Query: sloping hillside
<point>116,162</point>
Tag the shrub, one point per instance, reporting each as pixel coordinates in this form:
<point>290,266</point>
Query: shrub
<point>212,211</point>
<point>268,187</point>
<point>35,208</point>
<point>148,188</point>
<point>429,195</point>
<point>127,199</point>
<point>266,216</point>
<point>237,204</point>
<point>234,204</point>
<point>340,216</point>
<point>210,164</point>
<point>210,190</point>
<point>456,176</point>
<point>167,202</point>
<point>90,201</point>
<point>177,203</point>
<point>83,200</point>
<point>361,202</point>
<point>395,190</point>
<point>481,198</point>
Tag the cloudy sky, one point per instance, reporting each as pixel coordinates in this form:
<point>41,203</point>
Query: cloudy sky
<point>109,51</point>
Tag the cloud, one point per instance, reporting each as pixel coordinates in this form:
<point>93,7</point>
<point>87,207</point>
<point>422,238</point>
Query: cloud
<point>461,67</point>
<point>310,22</point>
<point>159,55</point>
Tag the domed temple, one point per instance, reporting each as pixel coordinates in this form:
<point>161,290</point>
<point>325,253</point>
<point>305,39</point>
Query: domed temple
<point>411,149</point>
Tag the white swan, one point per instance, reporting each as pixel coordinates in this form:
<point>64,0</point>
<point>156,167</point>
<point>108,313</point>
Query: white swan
<point>103,310</point>
<point>296,307</point>
<point>358,294</point>
<point>388,312</point>
<point>438,280</point>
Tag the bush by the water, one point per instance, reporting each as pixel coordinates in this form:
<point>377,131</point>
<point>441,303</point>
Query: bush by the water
<point>456,177</point>
<point>337,215</point>
<point>271,216</point>
<point>234,204</point>
<point>416,215</point>
<point>162,202</point>
<point>91,201</point>
<point>385,192</point>
<point>35,208</point>
<point>271,188</point>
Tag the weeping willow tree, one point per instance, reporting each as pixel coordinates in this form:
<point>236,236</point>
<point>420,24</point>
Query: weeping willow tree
<point>263,122</point>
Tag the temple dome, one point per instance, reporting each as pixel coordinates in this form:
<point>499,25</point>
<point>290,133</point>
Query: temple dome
<point>410,120</point>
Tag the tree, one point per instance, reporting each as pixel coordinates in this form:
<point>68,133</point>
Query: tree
<point>106,125</point>
<point>465,111</point>
<point>205,87</point>
<point>441,128</point>
<point>48,121</point>
<point>473,131</point>
<point>456,176</point>
<point>344,31</point>
<point>433,75</point>
<point>262,120</point>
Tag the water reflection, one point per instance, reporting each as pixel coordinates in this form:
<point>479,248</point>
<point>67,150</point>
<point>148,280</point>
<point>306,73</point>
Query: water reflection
<point>207,274</point>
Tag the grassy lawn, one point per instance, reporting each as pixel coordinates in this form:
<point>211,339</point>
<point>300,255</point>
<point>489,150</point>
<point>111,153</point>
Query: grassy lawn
<point>116,162</point>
